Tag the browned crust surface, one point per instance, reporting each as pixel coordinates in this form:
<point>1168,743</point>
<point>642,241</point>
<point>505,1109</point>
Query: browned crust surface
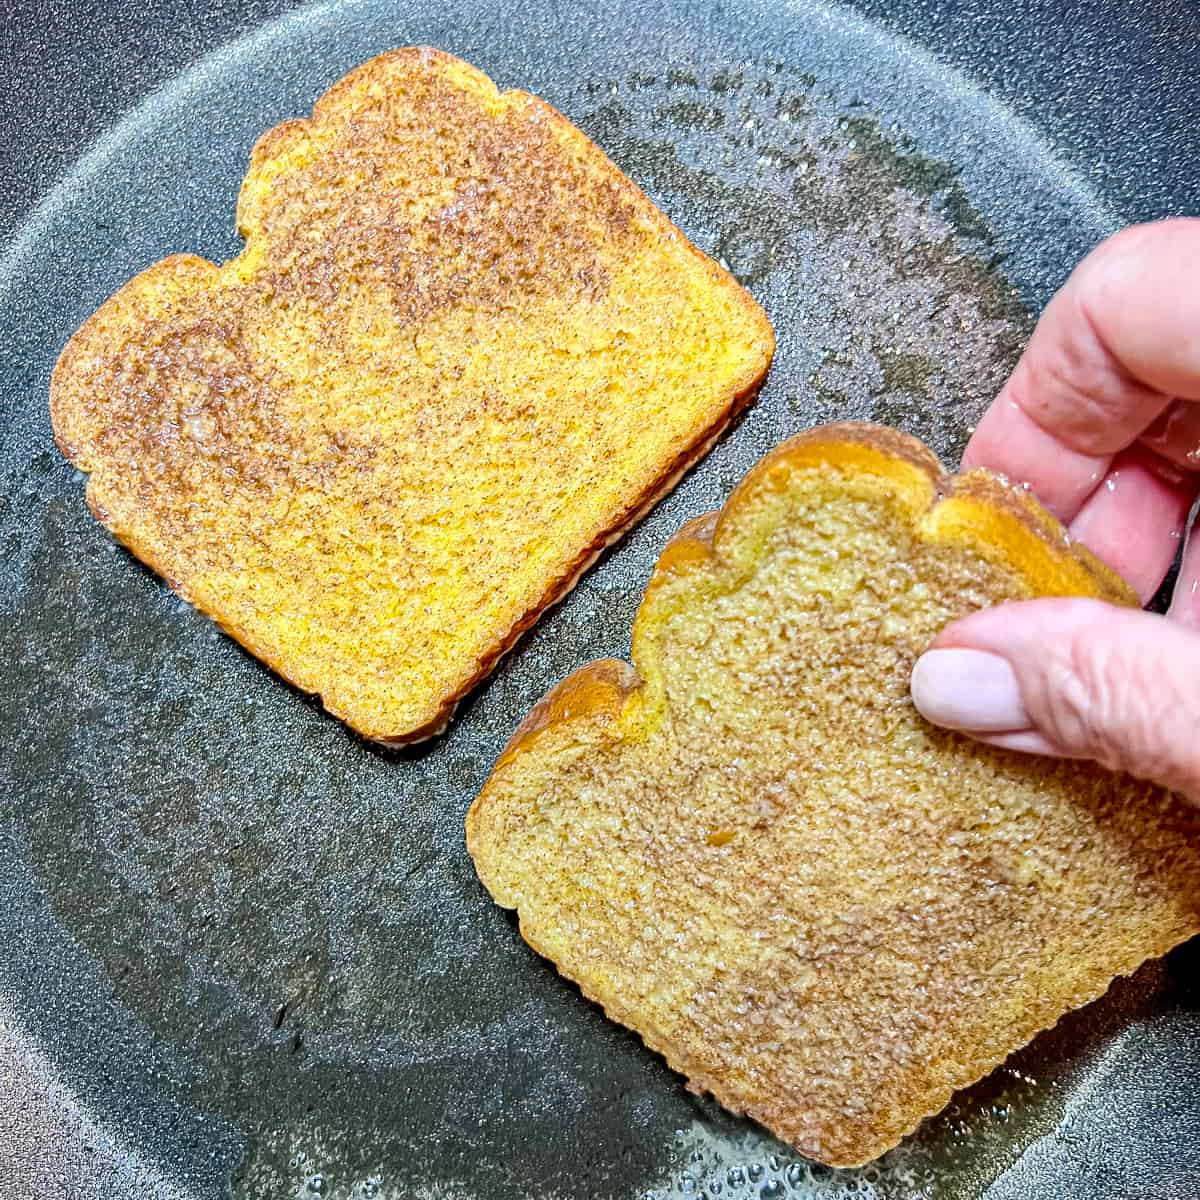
<point>576,736</point>
<point>125,393</point>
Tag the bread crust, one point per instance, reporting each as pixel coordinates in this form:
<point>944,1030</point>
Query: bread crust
<point>1010,524</point>
<point>145,529</point>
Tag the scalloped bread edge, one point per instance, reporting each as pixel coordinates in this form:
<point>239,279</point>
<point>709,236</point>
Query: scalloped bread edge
<point>264,164</point>
<point>616,701</point>
<point>978,510</point>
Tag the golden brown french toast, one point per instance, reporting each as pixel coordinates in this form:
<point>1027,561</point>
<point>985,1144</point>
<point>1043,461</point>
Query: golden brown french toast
<point>458,354</point>
<point>751,849</point>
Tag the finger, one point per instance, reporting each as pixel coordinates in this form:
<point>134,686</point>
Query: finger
<point>1111,352</point>
<point>1142,298</point>
<point>1135,519</point>
<point>1011,442</point>
<point>1075,678</point>
<point>1185,603</point>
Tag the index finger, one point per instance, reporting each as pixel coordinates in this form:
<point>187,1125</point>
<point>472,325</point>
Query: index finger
<point>1113,349</point>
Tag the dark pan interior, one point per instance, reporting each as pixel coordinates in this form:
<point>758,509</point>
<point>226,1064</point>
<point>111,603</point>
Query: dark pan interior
<point>241,949</point>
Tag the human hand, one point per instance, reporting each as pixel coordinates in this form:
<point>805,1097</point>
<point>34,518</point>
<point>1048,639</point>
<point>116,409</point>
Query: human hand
<point>1101,417</point>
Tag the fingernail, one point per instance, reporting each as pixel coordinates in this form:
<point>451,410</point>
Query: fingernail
<point>968,689</point>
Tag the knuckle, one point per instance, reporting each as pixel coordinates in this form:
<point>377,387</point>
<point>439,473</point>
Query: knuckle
<point>1103,701</point>
<point>1074,382</point>
<point>1101,693</point>
<point>1075,704</point>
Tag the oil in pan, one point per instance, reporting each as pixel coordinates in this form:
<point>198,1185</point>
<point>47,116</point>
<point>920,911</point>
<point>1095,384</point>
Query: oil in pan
<point>275,971</point>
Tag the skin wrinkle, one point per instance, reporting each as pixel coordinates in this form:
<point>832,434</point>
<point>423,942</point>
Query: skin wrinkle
<point>1077,370</point>
<point>1132,713</point>
<point>1096,386</point>
<point>1115,401</point>
<point>1086,710</point>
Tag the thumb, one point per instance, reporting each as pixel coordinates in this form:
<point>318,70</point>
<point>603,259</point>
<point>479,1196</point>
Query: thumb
<point>1073,678</point>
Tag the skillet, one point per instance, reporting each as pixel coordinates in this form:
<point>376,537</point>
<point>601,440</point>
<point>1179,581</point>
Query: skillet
<point>242,952</point>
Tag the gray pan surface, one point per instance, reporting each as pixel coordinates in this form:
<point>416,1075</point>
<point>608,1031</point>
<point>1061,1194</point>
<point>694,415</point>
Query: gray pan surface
<point>241,950</point>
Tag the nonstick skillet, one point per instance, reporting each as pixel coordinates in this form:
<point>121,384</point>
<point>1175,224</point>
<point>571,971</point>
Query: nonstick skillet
<point>243,952</point>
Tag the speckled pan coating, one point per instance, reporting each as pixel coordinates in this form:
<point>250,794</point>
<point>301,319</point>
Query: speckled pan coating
<point>237,940</point>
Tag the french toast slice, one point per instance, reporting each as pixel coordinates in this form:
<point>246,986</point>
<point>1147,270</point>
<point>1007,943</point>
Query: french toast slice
<point>459,353</point>
<point>751,849</point>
